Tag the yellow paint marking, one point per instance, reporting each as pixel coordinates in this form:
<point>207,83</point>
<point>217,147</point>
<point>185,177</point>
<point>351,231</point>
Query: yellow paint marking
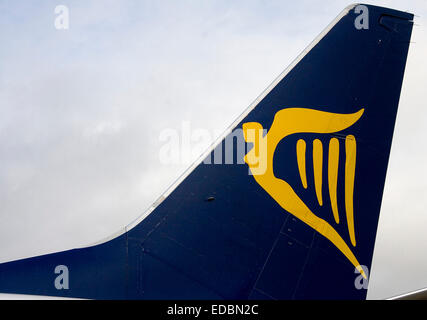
<point>286,122</point>
<point>334,153</point>
<point>301,162</point>
<point>350,168</point>
<point>317,168</point>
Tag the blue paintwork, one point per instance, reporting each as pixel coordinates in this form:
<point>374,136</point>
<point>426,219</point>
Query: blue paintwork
<point>243,245</point>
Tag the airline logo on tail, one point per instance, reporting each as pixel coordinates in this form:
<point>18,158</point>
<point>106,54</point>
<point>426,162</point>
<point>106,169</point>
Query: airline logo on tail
<point>300,120</point>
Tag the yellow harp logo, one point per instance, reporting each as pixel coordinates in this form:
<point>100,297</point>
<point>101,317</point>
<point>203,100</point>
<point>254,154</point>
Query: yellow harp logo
<point>260,161</point>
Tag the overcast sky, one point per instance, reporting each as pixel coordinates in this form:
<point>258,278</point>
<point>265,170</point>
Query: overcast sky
<point>82,110</point>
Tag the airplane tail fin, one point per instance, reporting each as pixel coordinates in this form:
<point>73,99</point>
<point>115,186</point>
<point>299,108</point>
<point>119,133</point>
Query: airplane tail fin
<point>292,216</point>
